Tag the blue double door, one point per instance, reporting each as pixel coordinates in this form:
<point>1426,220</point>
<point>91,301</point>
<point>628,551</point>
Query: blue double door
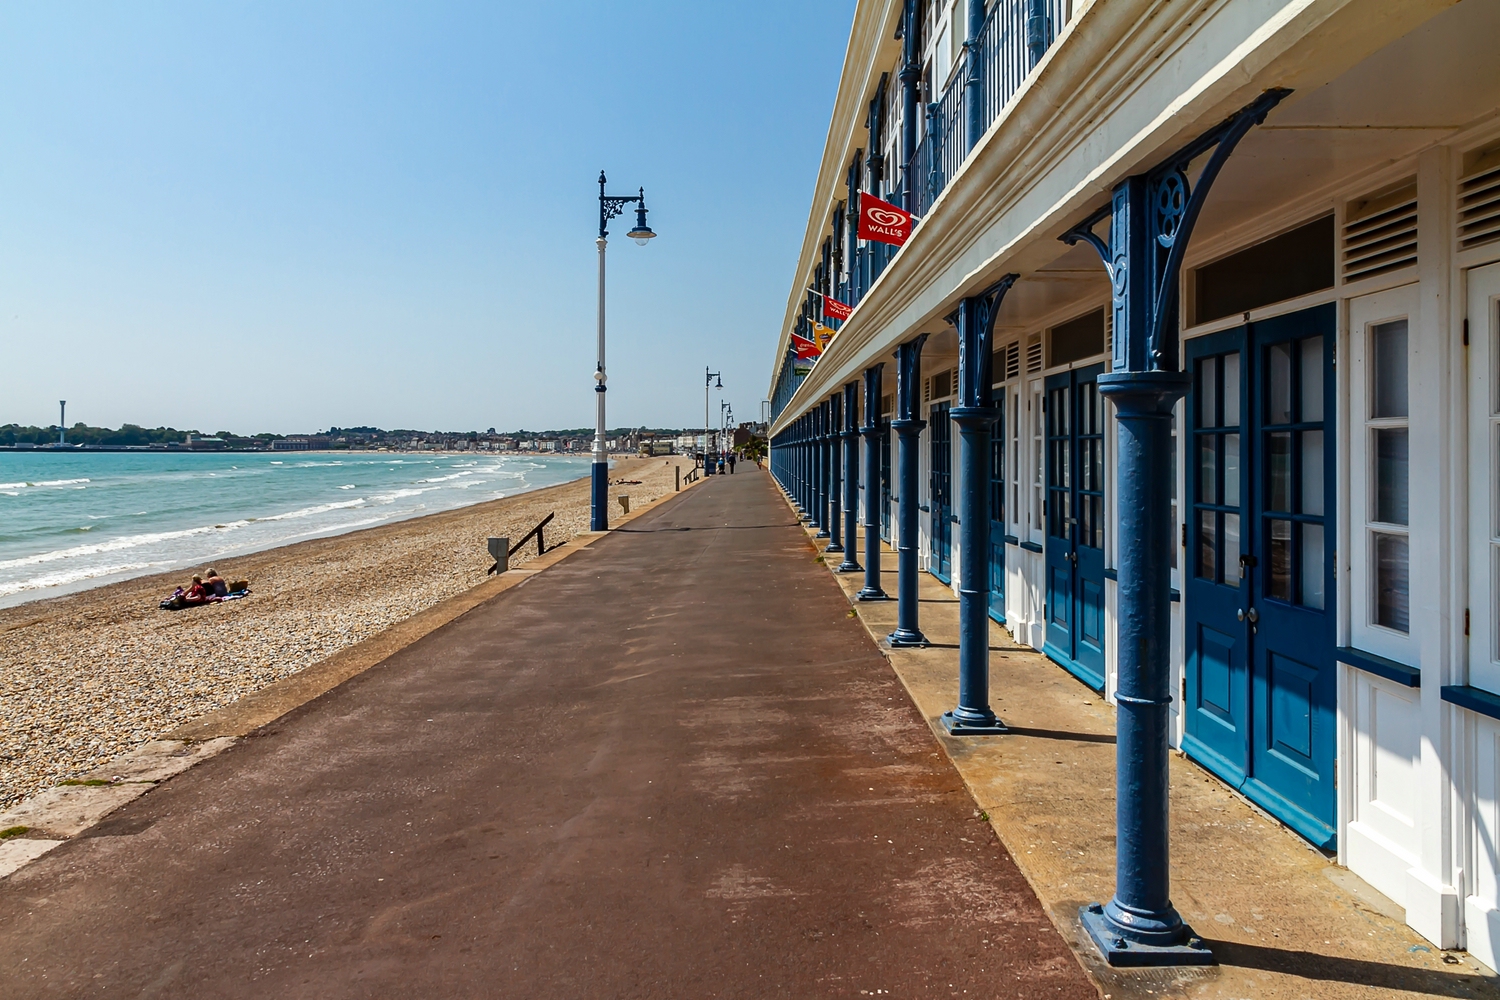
<point>1259,688</point>
<point>1074,512</point>
<point>940,492</point>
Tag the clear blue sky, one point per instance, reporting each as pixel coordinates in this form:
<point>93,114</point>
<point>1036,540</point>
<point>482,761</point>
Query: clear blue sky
<point>289,215</point>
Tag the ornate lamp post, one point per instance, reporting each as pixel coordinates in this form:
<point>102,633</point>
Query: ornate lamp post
<point>708,380</point>
<point>609,207</point>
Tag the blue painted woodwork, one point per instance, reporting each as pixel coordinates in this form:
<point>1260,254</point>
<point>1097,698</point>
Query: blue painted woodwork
<point>1261,694</point>
<point>997,511</point>
<point>1380,666</point>
<point>975,415</point>
<point>875,438</point>
<point>1074,415</point>
<point>940,492</point>
<point>833,441</point>
<point>885,481</point>
<point>1152,216</point>
<point>1473,698</point>
<point>851,478</point>
<point>908,428</point>
<point>820,460</point>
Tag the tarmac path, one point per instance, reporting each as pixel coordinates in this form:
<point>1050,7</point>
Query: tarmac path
<point>670,766</point>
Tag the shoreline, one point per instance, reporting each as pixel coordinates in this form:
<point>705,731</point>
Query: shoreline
<point>89,675</point>
<point>236,548</point>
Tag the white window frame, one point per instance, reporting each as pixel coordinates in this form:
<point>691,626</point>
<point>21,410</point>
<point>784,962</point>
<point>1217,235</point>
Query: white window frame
<point>1484,476</point>
<point>1366,313</point>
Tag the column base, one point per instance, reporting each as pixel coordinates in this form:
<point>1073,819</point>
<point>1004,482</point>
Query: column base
<point>872,594</point>
<point>1122,953</point>
<point>907,638</point>
<point>977,726</point>
<point>822,533</point>
<point>834,547</point>
<point>849,566</point>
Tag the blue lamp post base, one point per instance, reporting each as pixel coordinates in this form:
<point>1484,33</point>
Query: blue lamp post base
<point>599,498</point>
<point>904,638</point>
<point>1183,947</point>
<point>960,723</point>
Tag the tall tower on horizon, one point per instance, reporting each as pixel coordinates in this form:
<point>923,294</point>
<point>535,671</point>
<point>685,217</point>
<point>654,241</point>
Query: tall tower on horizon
<point>62,423</point>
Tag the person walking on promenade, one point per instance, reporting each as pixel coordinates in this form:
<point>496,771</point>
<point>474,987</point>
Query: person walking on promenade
<point>731,463</point>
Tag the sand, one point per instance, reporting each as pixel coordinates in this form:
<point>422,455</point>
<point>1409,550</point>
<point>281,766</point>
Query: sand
<point>91,675</point>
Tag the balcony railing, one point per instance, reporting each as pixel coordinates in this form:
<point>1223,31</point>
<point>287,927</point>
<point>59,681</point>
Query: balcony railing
<point>1014,37</point>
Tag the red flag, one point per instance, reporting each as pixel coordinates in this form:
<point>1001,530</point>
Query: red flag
<point>834,309</point>
<point>882,222</point>
<point>805,348</point>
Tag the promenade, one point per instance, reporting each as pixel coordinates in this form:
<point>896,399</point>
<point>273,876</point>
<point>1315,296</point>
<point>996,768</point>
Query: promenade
<point>672,765</point>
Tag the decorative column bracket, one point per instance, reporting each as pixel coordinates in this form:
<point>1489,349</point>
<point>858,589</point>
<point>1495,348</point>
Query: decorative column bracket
<point>1152,216</point>
<point>975,416</point>
<point>1169,204</point>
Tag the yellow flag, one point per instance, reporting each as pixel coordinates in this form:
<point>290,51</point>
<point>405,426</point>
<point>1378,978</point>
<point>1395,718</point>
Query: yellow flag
<point>822,335</point>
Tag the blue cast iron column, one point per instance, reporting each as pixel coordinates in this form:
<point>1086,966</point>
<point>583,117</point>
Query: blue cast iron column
<point>872,430</point>
<point>908,428</point>
<point>851,479</point>
<point>1151,220</point>
<point>974,83</point>
<point>835,477</point>
<point>911,73</point>
<point>820,445</point>
<point>975,416</point>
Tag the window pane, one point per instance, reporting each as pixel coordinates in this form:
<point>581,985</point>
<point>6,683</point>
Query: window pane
<point>1312,380</point>
<point>1392,582</point>
<point>1208,479</point>
<point>1231,470</point>
<point>1231,390</point>
<point>1391,468</point>
<point>1279,377</point>
<point>1312,565</point>
<point>1232,549</point>
<point>1389,348</point>
<point>1208,547</point>
<point>1096,517</point>
<point>1208,397</point>
<point>1279,580</point>
<point>1312,472</point>
<point>1279,471</point>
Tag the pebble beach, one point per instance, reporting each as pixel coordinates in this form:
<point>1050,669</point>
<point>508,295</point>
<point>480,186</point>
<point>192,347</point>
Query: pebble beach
<point>91,675</point>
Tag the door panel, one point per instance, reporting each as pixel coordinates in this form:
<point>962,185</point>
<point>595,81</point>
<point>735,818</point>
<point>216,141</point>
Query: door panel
<point>997,513</point>
<point>1074,421</point>
<point>1260,683</point>
<point>941,492</point>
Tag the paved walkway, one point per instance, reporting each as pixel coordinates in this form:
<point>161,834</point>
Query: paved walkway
<point>671,766</point>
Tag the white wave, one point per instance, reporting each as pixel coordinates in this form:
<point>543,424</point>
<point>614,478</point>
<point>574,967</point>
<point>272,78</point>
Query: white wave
<point>70,576</point>
<point>444,479</point>
<point>321,508</point>
<point>60,482</point>
<point>116,545</point>
<point>349,487</point>
<point>15,486</point>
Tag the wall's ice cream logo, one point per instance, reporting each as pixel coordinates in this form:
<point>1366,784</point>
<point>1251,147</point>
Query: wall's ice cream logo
<point>882,222</point>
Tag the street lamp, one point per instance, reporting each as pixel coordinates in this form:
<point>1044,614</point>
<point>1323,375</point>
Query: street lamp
<point>609,207</point>
<point>708,381</point>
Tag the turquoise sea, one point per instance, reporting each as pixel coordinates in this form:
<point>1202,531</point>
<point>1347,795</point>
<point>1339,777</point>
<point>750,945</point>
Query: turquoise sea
<point>75,520</point>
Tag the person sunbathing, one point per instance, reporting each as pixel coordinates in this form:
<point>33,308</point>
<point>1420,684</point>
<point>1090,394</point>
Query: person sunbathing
<point>215,584</point>
<point>197,593</point>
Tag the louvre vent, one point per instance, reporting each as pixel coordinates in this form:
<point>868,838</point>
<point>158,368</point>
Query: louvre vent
<point>1034,355</point>
<point>1109,334</point>
<point>1380,234</point>
<point>1479,207</point>
<point>942,385</point>
<point>1013,359</point>
<point>927,391</point>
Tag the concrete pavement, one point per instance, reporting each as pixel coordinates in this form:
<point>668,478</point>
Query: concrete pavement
<point>672,765</point>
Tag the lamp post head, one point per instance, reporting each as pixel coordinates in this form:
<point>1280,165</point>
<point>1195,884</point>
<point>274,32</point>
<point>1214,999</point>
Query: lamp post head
<point>642,232</point>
